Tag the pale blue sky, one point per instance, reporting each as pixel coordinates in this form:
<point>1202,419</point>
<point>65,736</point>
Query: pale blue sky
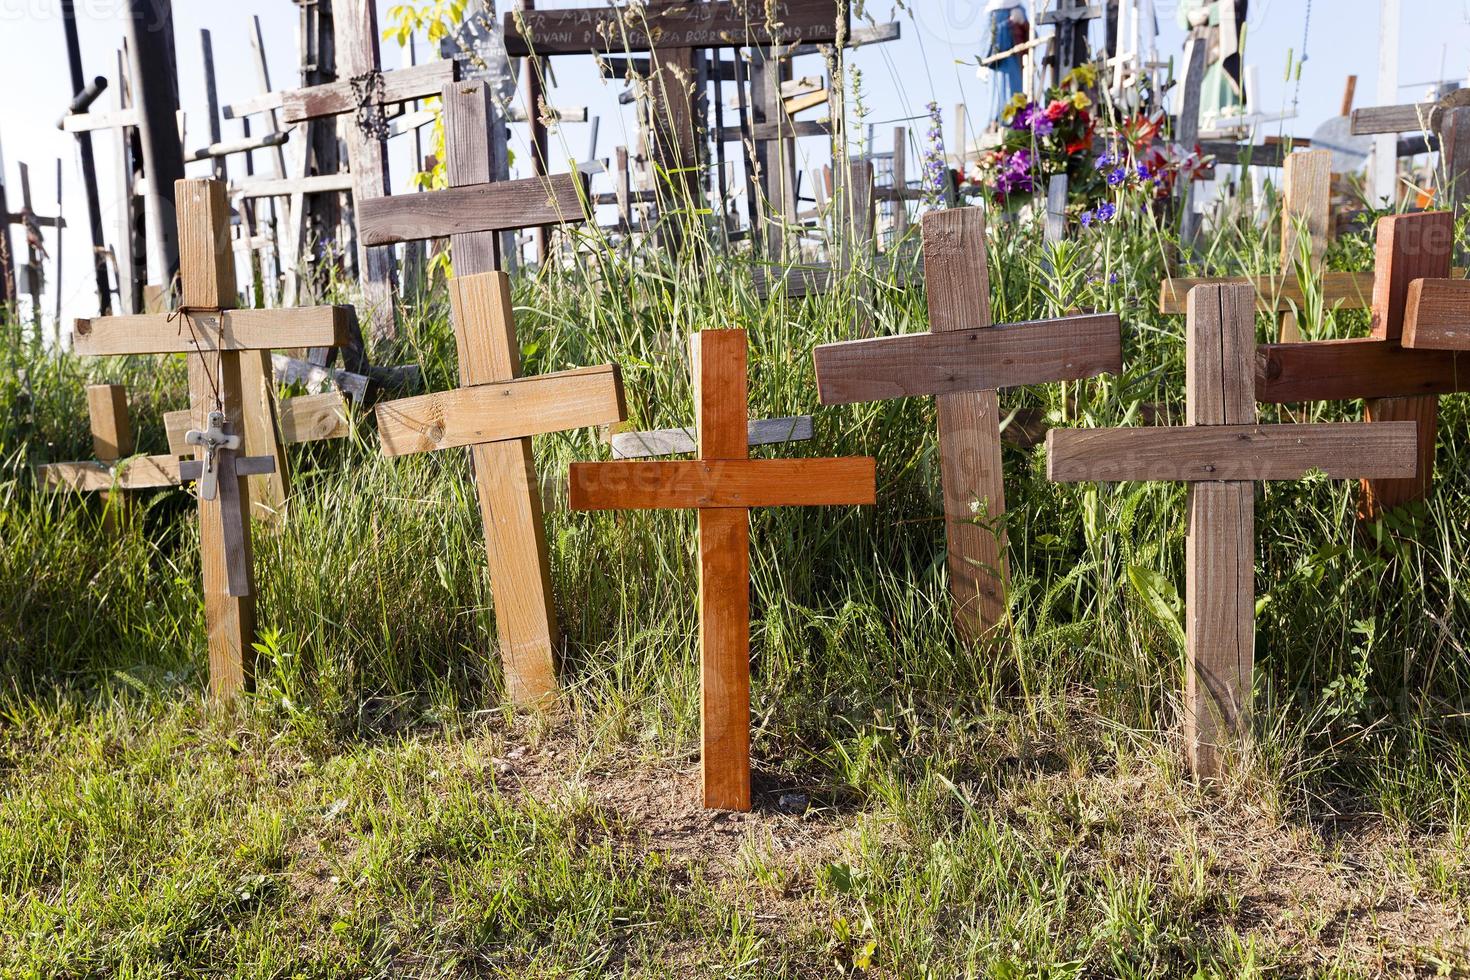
<point>900,78</point>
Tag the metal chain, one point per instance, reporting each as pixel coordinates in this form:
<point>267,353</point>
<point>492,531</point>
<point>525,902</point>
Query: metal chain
<point>368,90</point>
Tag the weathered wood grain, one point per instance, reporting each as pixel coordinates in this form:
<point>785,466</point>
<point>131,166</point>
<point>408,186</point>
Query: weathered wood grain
<point>1306,214</point>
<point>231,330</point>
<point>1358,367</point>
<point>692,484</point>
<point>612,30</point>
<point>1437,315</point>
<point>1277,294</point>
<point>495,206</point>
<point>501,410</point>
<point>1247,453</point>
<point>672,442</point>
<point>968,358</point>
<point>402,85</point>
<point>312,418</point>
<point>137,473</point>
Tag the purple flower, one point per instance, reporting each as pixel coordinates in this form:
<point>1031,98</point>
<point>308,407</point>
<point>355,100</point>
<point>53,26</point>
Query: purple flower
<point>1116,177</point>
<point>1041,125</point>
<point>1103,162</point>
<point>1106,211</point>
<point>1113,279</point>
<point>1143,172</point>
<point>1024,116</point>
<point>1020,162</point>
<point>1086,219</point>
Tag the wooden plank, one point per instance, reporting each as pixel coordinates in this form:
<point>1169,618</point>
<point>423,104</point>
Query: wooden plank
<point>1437,315</point>
<point>1306,214</point>
<point>260,426</point>
<point>968,358</point>
<point>716,25</point>
<point>112,432</point>
<point>1247,453</point>
<point>724,658</point>
<point>403,85</point>
<point>230,330</point>
<point>1358,367</point>
<point>191,470</point>
<point>691,484</point>
<point>495,206</point>
<point>137,473</point>
<point>207,272</point>
<point>293,370</point>
<point>672,442</point>
<point>254,105</point>
<point>1378,119</point>
<point>287,186</point>
<point>1277,294</point>
<point>312,418</point>
<point>175,425</point>
<point>1219,566</point>
<point>1409,247</point>
<point>501,410</point>
<point>973,478</point>
<point>718,364</point>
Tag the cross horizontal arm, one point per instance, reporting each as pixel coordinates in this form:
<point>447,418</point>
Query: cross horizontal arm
<point>1214,453</point>
<point>1277,294</point>
<point>716,25</point>
<point>502,410</point>
<point>404,85</point>
<point>1359,367</point>
<point>496,206</point>
<point>671,442</point>
<point>1437,315</point>
<point>231,330</point>
<point>1379,119</point>
<point>691,484</point>
<point>968,360</point>
<point>139,473</point>
<point>193,469</point>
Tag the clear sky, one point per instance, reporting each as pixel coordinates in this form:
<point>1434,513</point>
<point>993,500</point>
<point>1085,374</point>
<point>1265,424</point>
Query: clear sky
<point>900,78</point>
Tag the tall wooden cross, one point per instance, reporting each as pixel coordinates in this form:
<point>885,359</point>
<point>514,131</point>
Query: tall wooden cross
<point>1400,383</point>
<point>366,93</point>
<point>1221,452</point>
<point>674,31</point>
<point>214,335</point>
<point>962,363</point>
<point>1070,47</point>
<point>723,484</point>
<point>495,411</point>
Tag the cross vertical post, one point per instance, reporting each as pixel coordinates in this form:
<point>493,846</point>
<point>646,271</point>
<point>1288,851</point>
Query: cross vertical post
<point>1306,195</point>
<point>1221,452</point>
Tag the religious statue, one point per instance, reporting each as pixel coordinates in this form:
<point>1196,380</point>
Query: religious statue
<point>1220,22</point>
<point>1009,29</point>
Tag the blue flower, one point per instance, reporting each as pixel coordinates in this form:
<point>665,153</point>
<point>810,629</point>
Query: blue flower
<point>1103,162</point>
<point>1086,218</point>
<point>1117,177</point>
<point>1143,172</point>
<point>1106,211</point>
<point>1113,279</point>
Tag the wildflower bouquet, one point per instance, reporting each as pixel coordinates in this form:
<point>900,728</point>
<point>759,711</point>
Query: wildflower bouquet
<point>1041,141</point>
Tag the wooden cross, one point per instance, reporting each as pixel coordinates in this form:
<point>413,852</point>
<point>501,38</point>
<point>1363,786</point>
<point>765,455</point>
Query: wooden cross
<point>723,484</point>
<point>1070,48</point>
<point>1400,383</point>
<point>673,31</point>
<point>962,363</point>
<point>495,411</point>
<point>1448,121</point>
<point>366,92</point>
<point>1221,452</point>
<point>32,224</point>
<point>214,336</point>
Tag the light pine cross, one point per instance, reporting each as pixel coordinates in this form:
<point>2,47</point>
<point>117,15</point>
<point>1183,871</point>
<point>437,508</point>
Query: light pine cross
<point>496,412</point>
<point>962,362</point>
<point>1221,452</point>
<point>1398,369</point>
<point>214,337</point>
<point>723,484</point>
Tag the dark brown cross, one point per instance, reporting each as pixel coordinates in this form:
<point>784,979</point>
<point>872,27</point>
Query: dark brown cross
<point>214,335</point>
<point>723,484</point>
<point>1221,453</point>
<point>1399,383</point>
<point>962,363</point>
<point>495,411</point>
<point>673,31</point>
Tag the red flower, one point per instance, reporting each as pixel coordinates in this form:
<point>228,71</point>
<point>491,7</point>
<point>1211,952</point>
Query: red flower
<point>1057,109</point>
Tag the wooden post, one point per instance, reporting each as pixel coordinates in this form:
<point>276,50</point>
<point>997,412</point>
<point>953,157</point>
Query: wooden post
<point>1220,452</point>
<point>1384,170</point>
<point>7,259</point>
<point>900,183</point>
<point>1187,133</point>
<point>1454,165</point>
<point>962,362</point>
<point>154,76</point>
<point>1306,197</point>
<point>722,484</point>
<point>112,440</point>
<point>314,218</point>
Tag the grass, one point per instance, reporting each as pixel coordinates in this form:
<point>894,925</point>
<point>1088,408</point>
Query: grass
<point>924,808</point>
